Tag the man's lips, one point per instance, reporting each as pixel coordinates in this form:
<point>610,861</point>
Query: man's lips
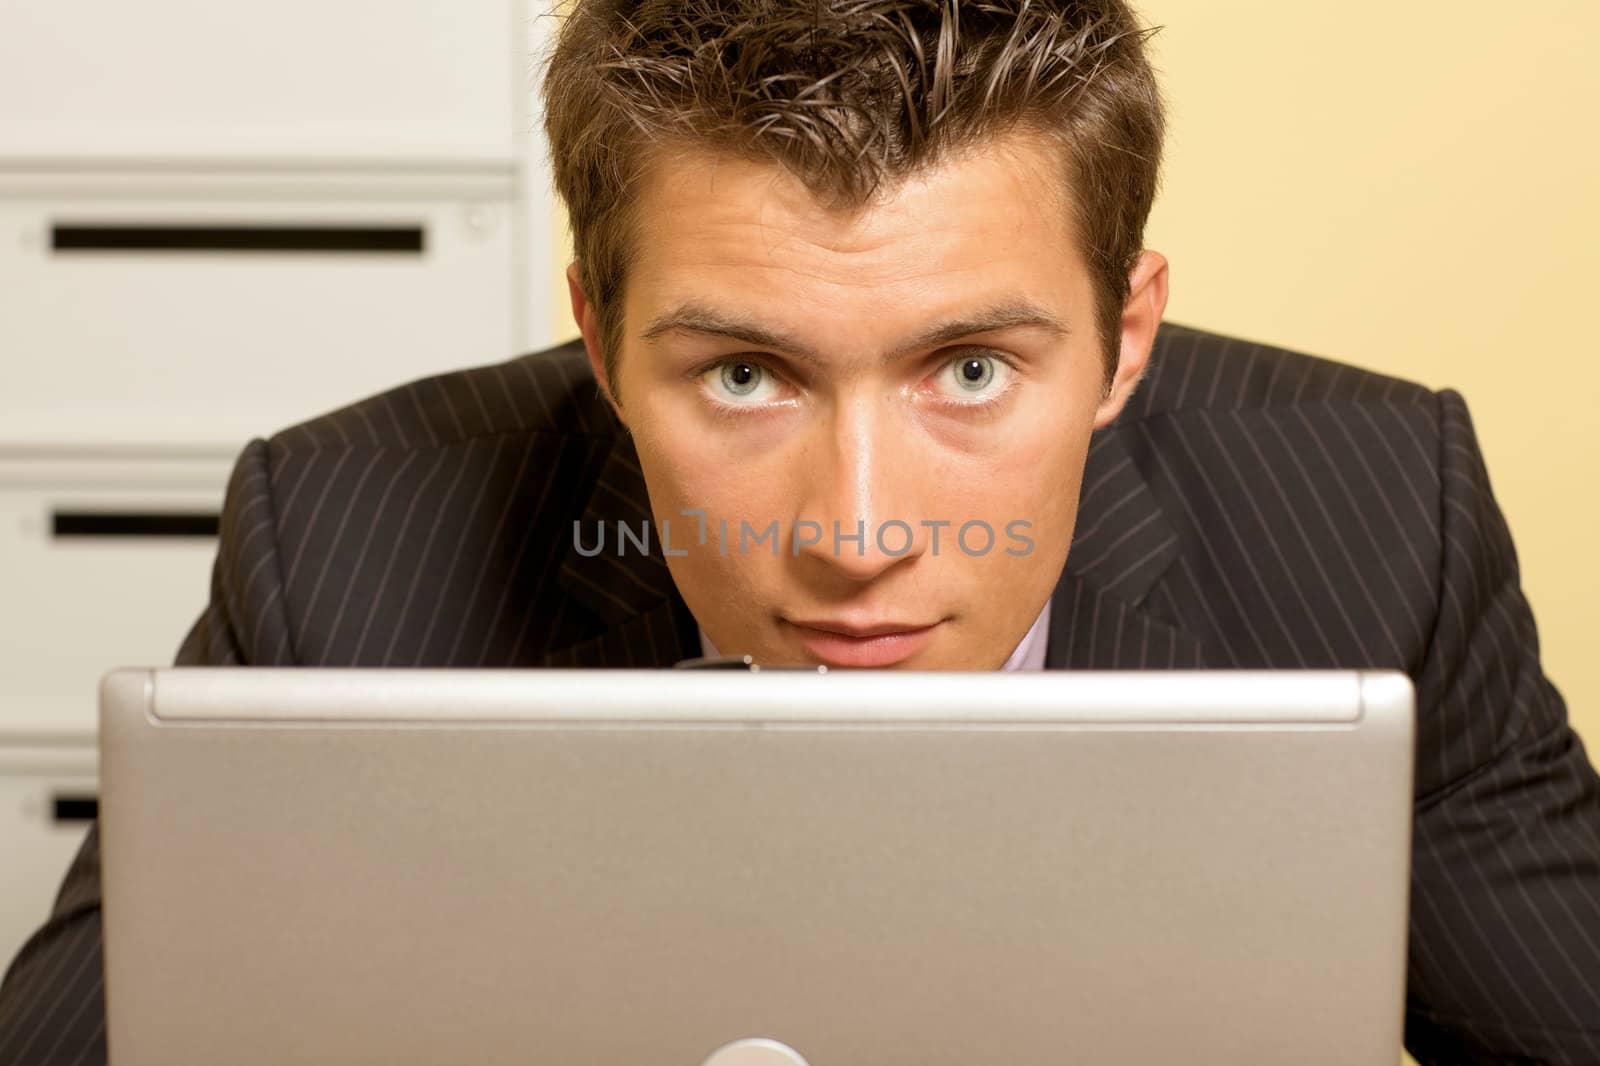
<point>863,645</point>
<point>859,629</point>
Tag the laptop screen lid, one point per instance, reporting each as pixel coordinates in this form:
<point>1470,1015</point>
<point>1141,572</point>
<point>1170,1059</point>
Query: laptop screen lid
<point>406,866</point>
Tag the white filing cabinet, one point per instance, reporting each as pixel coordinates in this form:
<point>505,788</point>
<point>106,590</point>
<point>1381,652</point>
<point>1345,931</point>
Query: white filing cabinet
<point>46,797</point>
<point>215,222</point>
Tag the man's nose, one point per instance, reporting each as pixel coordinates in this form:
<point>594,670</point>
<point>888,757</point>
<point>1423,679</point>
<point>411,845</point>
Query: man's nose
<point>860,481</point>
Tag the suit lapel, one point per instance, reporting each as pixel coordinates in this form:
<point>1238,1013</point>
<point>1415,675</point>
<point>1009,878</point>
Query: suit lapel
<point>653,639</point>
<point>649,624</point>
<point>1121,546</point>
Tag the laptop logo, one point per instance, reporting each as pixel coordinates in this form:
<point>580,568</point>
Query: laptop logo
<point>756,1052</point>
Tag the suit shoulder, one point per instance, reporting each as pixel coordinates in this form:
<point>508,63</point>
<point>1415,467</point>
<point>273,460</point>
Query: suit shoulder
<point>1193,370</point>
<point>551,391</point>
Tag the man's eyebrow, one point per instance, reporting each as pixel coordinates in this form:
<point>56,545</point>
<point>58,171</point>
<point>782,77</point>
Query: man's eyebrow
<point>698,318</point>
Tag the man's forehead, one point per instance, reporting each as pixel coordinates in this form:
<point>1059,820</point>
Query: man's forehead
<point>958,254</point>
<point>1020,172</point>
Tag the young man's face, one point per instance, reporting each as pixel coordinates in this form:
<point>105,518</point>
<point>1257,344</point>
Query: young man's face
<point>927,364</point>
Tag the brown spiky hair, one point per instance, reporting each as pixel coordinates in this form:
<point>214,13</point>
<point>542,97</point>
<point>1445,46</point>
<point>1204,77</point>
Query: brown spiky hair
<point>851,96</point>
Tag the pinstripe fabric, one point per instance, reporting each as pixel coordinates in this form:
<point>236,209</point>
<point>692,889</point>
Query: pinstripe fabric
<point>1251,508</point>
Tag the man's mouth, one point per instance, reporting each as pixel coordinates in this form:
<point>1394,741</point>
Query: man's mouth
<point>863,645</point>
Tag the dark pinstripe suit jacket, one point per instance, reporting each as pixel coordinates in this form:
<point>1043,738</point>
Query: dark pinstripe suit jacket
<point>1250,508</point>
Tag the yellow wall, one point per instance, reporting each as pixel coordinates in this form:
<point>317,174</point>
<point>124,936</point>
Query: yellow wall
<point>1413,188</point>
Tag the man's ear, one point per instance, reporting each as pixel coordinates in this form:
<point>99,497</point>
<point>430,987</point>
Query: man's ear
<point>589,325</point>
<point>1141,315</point>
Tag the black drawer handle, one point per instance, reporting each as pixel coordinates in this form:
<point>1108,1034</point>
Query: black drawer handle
<point>133,524</point>
<point>66,810</point>
<point>387,240</point>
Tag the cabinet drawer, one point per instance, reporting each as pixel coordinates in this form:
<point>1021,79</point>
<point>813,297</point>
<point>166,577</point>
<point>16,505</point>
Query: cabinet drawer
<point>95,575</point>
<point>44,814</point>
<point>205,319</point>
<point>177,77</point>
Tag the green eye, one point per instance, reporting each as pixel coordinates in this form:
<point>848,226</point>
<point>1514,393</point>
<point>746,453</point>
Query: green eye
<point>975,378</point>
<point>741,379</point>
<point>974,372</point>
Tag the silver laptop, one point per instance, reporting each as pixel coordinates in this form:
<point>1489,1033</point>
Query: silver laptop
<point>671,868</point>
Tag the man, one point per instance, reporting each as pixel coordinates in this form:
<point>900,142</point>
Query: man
<point>857,282</point>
